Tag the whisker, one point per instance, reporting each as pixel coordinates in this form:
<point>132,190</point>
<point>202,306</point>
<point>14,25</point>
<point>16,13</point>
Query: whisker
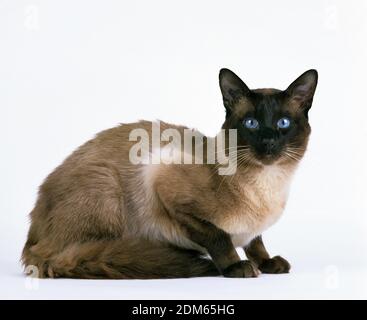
<point>291,156</point>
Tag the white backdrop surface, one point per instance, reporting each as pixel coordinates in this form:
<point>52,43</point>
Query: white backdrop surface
<point>69,69</point>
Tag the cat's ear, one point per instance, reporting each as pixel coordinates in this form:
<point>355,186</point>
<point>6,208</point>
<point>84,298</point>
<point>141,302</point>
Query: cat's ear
<point>232,87</point>
<point>302,90</point>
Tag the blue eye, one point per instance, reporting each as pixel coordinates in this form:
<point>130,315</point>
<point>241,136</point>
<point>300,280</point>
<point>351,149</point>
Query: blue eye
<point>251,123</point>
<point>283,123</point>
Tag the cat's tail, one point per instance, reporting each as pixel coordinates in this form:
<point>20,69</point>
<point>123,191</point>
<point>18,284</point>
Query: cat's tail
<point>118,259</point>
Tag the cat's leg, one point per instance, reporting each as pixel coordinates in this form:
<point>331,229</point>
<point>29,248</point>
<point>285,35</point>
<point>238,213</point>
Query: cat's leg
<point>257,253</point>
<point>85,206</point>
<point>219,246</point>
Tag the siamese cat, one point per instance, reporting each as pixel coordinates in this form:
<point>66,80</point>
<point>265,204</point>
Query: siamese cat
<point>100,216</point>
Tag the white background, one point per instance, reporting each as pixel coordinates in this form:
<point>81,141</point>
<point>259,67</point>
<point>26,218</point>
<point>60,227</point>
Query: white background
<point>69,69</point>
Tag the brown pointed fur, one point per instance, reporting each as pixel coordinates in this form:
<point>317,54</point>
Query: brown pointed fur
<point>97,215</point>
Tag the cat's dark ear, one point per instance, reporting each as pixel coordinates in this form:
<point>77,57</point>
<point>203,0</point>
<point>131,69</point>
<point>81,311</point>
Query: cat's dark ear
<point>302,90</point>
<point>232,87</point>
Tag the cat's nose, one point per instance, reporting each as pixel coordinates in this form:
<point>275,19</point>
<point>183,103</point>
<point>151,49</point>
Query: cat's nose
<point>268,143</point>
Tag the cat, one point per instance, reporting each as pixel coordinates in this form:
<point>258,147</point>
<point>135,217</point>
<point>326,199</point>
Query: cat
<point>100,216</point>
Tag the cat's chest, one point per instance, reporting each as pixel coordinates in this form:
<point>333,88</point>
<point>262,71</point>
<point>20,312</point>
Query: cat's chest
<point>261,201</point>
<point>265,191</point>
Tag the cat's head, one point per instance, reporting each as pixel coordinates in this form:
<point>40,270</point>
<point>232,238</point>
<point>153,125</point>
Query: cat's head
<point>272,125</point>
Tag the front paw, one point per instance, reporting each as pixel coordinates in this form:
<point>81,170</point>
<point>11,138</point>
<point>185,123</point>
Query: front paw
<point>241,269</point>
<point>276,264</point>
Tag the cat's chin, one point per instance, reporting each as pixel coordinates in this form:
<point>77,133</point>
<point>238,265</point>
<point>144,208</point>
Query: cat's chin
<point>268,160</point>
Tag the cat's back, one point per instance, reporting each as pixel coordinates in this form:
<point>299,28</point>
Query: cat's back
<point>111,146</point>
<point>103,160</point>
